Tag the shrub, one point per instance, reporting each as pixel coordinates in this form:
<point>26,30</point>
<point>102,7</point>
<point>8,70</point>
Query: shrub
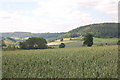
<point>62,45</point>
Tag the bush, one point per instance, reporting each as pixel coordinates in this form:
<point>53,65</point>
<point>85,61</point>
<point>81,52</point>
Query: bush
<point>62,45</point>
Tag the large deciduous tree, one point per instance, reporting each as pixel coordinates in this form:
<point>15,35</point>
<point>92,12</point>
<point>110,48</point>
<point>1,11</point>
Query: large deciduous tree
<point>34,43</point>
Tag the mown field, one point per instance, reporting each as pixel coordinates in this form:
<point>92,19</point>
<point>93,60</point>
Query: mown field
<point>79,62</point>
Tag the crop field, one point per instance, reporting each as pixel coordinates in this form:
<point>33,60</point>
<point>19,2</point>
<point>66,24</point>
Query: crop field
<point>79,62</point>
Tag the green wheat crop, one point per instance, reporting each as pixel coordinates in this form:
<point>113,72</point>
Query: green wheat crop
<point>82,62</point>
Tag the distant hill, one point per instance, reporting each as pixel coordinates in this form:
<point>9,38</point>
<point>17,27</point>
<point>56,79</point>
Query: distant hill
<point>103,30</point>
<point>19,36</point>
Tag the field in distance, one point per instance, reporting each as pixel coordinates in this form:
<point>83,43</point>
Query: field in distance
<point>79,62</point>
<point>78,42</point>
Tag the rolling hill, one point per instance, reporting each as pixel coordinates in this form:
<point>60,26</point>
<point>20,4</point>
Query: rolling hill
<point>21,36</point>
<point>102,30</point>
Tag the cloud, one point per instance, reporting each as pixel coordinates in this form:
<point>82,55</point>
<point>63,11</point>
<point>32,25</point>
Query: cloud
<point>109,7</point>
<point>58,15</point>
<point>65,8</point>
<point>14,22</point>
<point>18,0</point>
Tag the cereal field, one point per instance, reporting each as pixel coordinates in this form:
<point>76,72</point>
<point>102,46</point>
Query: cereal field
<point>79,62</point>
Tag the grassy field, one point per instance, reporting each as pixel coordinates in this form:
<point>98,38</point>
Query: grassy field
<point>78,42</point>
<point>79,62</point>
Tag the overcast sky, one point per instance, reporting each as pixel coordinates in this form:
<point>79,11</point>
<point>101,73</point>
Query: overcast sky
<point>40,16</point>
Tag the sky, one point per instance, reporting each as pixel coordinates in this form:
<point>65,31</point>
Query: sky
<point>41,16</point>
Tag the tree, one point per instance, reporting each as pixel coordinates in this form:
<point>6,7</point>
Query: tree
<point>62,45</point>
<point>34,43</point>
<point>88,40</point>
